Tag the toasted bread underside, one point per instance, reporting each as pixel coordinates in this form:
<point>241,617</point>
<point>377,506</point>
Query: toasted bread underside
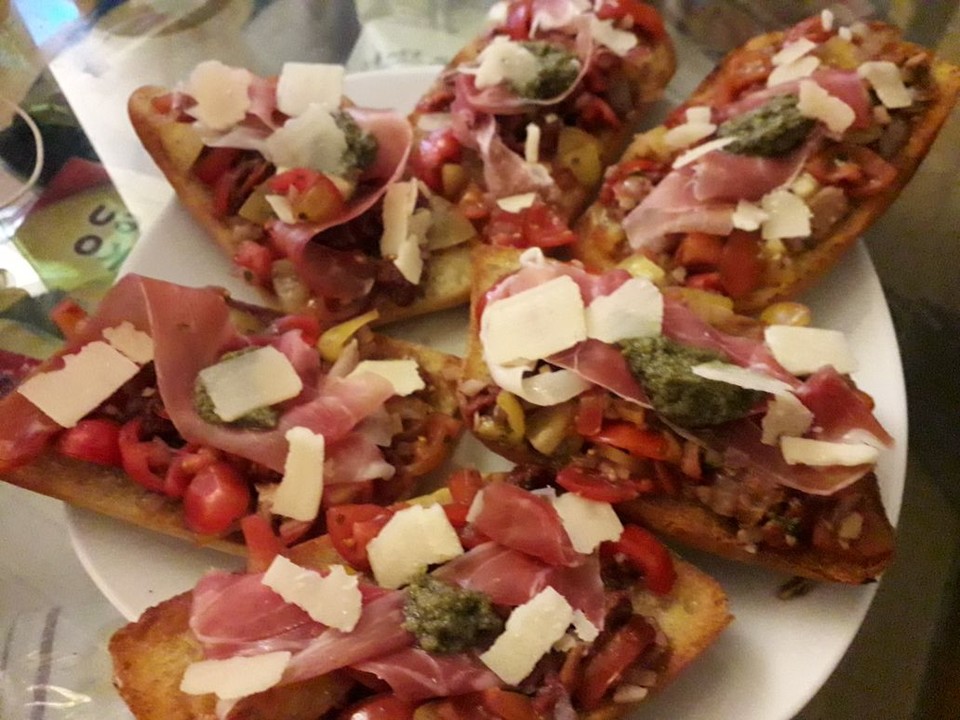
<point>687,521</point>
<point>601,242</point>
<point>108,491</point>
<point>151,654</point>
<point>446,277</point>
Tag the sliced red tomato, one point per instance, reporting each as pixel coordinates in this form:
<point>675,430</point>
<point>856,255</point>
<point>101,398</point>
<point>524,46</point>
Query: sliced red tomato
<point>607,666</point>
<point>380,707</point>
<point>640,14</point>
<point>352,527</point>
<point>257,262</point>
<point>93,440</point>
<point>519,19</point>
<point>186,463</point>
<point>261,542</point>
<point>68,316</point>
<point>535,226</point>
<point>745,70</point>
<point>709,281</point>
<point>636,441</point>
<point>214,162</point>
<point>216,498</point>
<point>811,29</point>
<point>508,705</point>
<point>646,554</point>
<point>299,179</point>
<point>595,112</point>
<point>308,325</point>
<point>590,408</point>
<point>595,485</point>
<point>699,250</point>
<point>858,169</point>
<point>464,484</point>
<point>429,452</point>
<point>145,461</point>
<point>741,265</point>
<point>431,153</point>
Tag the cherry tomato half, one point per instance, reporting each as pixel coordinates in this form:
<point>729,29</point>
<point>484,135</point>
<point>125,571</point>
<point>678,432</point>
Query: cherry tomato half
<point>352,527</point>
<point>608,665</point>
<point>92,440</point>
<point>379,707</point>
<point>598,486</point>
<point>648,555</point>
<point>636,441</point>
<point>216,498</point>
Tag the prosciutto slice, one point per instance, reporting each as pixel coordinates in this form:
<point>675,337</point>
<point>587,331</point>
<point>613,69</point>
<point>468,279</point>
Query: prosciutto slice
<point>727,177</point>
<point>505,173</point>
<point>741,446</point>
<point>414,674</point>
<point>840,413</point>
<point>602,364</point>
<point>191,330</point>
<point>518,519</point>
<point>238,615</point>
<point>511,578</point>
<point>378,633</point>
<point>672,207</point>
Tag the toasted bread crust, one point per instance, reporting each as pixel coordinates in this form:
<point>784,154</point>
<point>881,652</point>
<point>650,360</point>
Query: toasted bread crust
<point>151,654</point>
<point>446,278</point>
<point>602,243</point>
<point>685,520</point>
<point>108,491</point>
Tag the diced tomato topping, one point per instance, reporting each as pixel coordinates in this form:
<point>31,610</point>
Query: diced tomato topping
<point>507,705</point>
<point>464,484</point>
<point>216,498</point>
<point>590,408</point>
<point>745,70</point>
<point>647,554</point>
<point>431,153</point>
<point>812,29</point>
<point>699,250</point>
<point>519,19</point>
<point>299,179</point>
<point>214,162</point>
<point>163,104</point>
<point>380,707</point>
<point>641,15</point>
<point>859,170</point>
<point>595,112</point>
<point>352,527</point>
<point>535,226</point>
<point>184,467</point>
<point>636,441</point>
<point>473,204</point>
<point>605,668</point>
<point>261,542</point>
<point>741,265</point>
<point>308,325</point>
<point>93,440</point>
<point>257,260</point>
<point>144,461</point>
<point>68,316</point>
<point>595,485</point>
<point>457,514</point>
<point>430,449</point>
<point>709,281</point>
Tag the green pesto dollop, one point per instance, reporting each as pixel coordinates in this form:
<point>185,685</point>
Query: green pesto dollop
<point>664,369</point>
<point>448,619</point>
<point>558,69</point>
<point>773,129</point>
<point>362,146</point>
<point>263,418</point>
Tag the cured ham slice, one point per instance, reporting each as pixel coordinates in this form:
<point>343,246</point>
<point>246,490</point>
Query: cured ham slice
<point>840,413</point>
<point>414,674</point>
<point>378,633</point>
<point>518,519</point>
<point>239,615</point>
<point>602,364</point>
<point>512,578</point>
<point>728,177</point>
<point>504,171</point>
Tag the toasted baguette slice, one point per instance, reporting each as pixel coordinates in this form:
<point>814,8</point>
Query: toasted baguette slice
<point>109,491</point>
<point>785,268</point>
<point>165,336</point>
<point>151,654</point>
<point>446,277</point>
<point>679,516</point>
<point>579,132</point>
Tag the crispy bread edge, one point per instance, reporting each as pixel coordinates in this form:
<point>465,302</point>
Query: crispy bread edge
<point>446,280</point>
<point>683,520</point>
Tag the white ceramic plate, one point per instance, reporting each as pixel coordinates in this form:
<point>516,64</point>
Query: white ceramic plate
<point>774,656</point>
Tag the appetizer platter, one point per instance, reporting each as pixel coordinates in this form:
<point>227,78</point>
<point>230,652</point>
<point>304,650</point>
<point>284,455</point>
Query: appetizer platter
<point>258,396</point>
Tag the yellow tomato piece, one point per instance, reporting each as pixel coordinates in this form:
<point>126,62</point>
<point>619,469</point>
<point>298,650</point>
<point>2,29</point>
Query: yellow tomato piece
<point>786,313</point>
<point>580,152</point>
<point>332,342</point>
<point>508,403</point>
<point>454,180</point>
<point>642,266</point>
